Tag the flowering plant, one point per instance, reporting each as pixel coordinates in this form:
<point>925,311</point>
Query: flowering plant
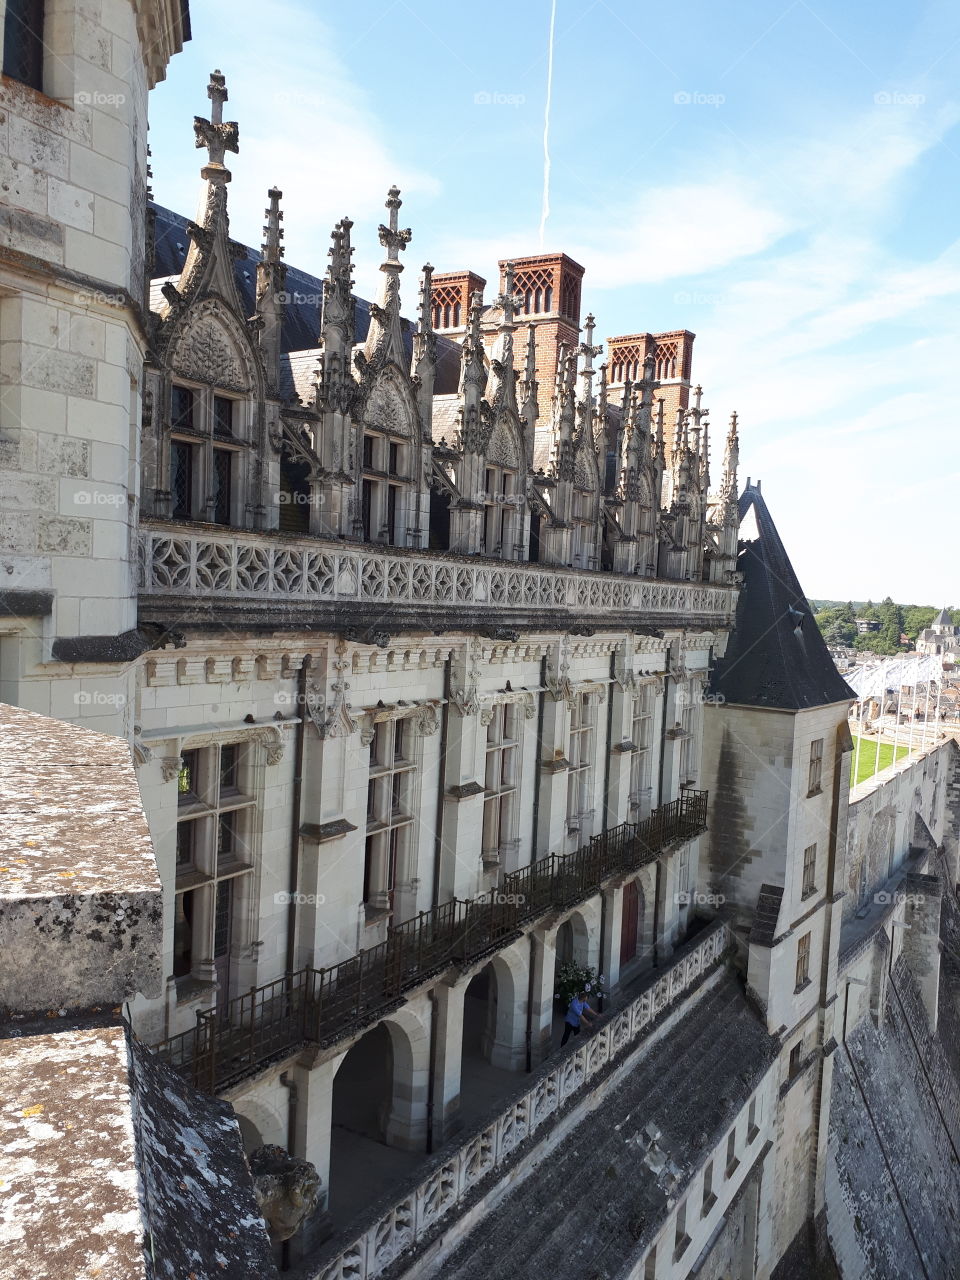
<point>572,978</point>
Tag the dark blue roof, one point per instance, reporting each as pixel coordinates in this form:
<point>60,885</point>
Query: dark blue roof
<point>302,311</point>
<point>776,656</point>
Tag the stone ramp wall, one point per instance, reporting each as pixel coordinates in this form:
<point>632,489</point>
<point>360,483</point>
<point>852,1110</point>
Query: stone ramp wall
<point>893,1181</point>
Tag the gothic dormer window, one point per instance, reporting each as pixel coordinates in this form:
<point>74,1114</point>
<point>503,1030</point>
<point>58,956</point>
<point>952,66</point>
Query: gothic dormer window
<point>500,534</point>
<point>584,542</point>
<point>206,455</point>
<point>385,489</point>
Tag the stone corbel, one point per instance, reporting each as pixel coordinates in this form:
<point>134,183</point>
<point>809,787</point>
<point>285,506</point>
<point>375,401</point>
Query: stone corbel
<point>170,766</point>
<point>334,720</point>
<point>271,738</point>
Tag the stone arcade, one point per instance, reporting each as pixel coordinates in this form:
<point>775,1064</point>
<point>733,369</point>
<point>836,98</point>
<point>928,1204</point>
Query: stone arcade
<point>443,663</point>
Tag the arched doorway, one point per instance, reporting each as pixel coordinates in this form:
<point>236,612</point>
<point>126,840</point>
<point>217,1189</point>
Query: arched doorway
<point>369,1090</point>
<point>480,1014</point>
<point>630,923</point>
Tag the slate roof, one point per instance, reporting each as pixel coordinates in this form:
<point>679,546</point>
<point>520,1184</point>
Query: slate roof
<point>592,1206</point>
<point>943,619</point>
<point>776,656</point>
<point>764,928</point>
<point>302,311</point>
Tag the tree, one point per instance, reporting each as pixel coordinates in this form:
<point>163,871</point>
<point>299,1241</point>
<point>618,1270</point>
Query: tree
<point>915,618</point>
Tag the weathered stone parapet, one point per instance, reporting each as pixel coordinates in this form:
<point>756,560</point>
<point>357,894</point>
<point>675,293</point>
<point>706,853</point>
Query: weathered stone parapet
<point>80,896</point>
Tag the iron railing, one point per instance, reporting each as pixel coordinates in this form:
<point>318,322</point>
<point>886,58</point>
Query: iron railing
<point>319,1006</point>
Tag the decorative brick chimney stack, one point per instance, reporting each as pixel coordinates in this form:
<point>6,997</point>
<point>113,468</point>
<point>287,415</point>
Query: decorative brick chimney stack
<point>673,361</point>
<point>547,286</point>
<point>451,294</point>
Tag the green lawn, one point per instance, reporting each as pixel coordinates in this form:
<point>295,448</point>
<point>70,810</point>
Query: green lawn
<point>868,758</point>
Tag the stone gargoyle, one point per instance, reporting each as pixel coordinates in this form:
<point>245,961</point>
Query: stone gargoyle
<point>287,1190</point>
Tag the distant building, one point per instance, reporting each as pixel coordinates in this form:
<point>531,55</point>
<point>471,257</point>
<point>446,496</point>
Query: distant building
<point>941,637</point>
<point>864,625</point>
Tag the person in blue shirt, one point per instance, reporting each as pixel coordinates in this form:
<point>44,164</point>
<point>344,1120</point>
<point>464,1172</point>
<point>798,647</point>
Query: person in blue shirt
<point>578,1009</point>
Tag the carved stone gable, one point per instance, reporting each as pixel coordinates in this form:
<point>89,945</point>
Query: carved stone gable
<point>386,410</point>
<point>204,353</point>
<point>502,449</point>
<point>583,472</point>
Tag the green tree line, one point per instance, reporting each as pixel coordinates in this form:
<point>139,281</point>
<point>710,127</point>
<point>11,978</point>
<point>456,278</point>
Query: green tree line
<point>838,623</point>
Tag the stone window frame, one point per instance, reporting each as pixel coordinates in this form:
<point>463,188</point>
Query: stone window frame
<point>504,498</point>
<point>815,768</point>
<point>582,758</point>
<point>491,718</point>
<point>804,945</point>
<point>206,442</point>
<point>809,876</point>
<point>689,702</point>
<point>709,1195</point>
<point>732,1160</point>
<point>681,1240</point>
<point>419,720</point>
<point>585,528</point>
<point>642,717</point>
<point>381,476</point>
<point>205,876</point>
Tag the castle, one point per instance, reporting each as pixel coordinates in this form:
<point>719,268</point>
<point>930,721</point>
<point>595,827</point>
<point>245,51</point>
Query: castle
<point>450,678</point>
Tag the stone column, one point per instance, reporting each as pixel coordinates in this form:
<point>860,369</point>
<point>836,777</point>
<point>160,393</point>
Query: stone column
<point>406,1125</point>
<point>610,957</point>
<point>314,1116</point>
<point>542,1006</point>
<point>448,1051</point>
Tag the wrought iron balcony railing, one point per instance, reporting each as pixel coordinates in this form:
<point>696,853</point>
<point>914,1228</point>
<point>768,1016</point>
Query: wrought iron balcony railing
<point>320,1006</point>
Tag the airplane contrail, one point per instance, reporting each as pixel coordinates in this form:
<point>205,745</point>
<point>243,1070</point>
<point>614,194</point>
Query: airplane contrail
<point>545,207</point>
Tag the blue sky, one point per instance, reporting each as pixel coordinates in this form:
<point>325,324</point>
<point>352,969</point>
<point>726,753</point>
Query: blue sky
<point>780,178</point>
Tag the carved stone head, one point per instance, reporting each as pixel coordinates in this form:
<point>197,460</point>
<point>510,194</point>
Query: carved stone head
<point>287,1190</point>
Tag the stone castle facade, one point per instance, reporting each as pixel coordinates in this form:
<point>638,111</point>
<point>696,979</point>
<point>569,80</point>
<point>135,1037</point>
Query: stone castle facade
<point>445,668</point>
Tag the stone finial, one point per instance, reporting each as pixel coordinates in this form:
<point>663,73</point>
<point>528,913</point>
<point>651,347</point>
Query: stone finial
<point>508,301</point>
<point>271,247</point>
<point>217,136</point>
<point>426,287</point>
<point>392,239</point>
<point>340,253</point>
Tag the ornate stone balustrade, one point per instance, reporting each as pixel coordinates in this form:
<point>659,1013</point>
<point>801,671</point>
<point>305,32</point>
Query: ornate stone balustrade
<point>410,1220</point>
<point>199,562</point>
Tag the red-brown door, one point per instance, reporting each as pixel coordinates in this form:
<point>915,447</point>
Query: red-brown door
<point>629,924</point>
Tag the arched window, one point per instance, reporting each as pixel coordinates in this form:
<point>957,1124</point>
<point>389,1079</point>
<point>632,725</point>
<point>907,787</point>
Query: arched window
<point>548,298</point>
<point>456,314</point>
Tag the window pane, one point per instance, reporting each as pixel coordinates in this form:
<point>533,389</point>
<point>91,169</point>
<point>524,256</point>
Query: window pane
<point>222,918</point>
<point>222,464</point>
<point>181,408</point>
<point>181,479</point>
<point>226,838</point>
<point>23,42</point>
<point>185,845</point>
<point>188,779</point>
<point>223,415</point>
<point>183,935</point>
<point>229,769</point>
